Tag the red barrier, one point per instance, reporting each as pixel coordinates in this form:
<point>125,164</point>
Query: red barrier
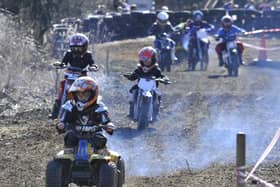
<point>262,53</point>
<point>262,56</point>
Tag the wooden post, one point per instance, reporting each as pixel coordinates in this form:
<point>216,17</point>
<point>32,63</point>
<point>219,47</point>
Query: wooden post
<point>240,159</point>
<point>107,62</point>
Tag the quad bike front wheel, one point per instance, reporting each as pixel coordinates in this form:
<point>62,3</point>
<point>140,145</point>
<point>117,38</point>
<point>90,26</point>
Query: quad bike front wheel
<point>121,172</point>
<point>108,175</point>
<point>54,175</point>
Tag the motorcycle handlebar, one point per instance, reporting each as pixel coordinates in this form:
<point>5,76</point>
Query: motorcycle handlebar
<point>59,65</point>
<point>161,80</point>
<point>164,81</point>
<point>126,75</point>
<point>93,68</point>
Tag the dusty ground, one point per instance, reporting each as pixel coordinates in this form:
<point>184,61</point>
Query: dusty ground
<point>193,143</point>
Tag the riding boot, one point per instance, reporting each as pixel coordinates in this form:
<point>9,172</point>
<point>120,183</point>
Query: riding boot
<point>131,110</point>
<point>241,59</point>
<point>220,58</point>
<point>173,56</point>
<point>55,110</point>
<point>131,99</point>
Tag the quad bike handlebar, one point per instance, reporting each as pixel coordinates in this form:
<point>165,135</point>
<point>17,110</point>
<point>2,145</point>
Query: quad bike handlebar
<point>90,128</point>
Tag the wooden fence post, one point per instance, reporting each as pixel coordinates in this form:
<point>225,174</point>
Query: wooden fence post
<point>240,159</point>
<point>107,62</point>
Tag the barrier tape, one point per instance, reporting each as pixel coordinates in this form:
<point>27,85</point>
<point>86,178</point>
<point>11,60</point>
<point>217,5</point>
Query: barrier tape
<point>260,48</point>
<point>263,182</point>
<point>244,174</point>
<point>265,153</point>
<point>240,172</point>
<point>261,31</point>
<point>258,32</point>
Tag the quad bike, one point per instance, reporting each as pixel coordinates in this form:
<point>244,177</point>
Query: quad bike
<point>85,166</point>
<point>147,101</point>
<point>199,50</point>
<point>70,75</point>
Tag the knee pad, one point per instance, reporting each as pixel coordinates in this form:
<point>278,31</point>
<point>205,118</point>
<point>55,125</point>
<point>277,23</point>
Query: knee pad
<point>131,97</point>
<point>70,140</point>
<point>99,141</point>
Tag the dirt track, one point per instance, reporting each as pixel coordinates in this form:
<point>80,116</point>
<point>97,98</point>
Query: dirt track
<point>193,144</point>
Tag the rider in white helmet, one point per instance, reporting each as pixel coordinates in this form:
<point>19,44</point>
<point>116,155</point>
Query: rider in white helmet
<point>162,25</point>
<point>228,32</point>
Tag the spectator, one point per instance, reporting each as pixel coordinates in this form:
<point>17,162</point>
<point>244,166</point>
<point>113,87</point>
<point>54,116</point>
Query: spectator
<point>165,8</point>
<point>228,5</point>
<point>250,5</point>
<point>101,9</point>
<point>265,6</point>
<point>133,7</point>
<point>121,5</point>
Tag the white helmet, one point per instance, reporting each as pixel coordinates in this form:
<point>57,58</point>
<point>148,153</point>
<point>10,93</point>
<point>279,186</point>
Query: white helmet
<point>162,16</point>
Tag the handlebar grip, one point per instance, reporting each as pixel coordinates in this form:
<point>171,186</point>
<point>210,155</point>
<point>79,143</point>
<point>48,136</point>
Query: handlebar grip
<point>59,65</point>
<point>94,68</point>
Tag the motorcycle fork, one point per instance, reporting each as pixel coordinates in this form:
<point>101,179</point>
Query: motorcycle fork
<point>143,98</point>
<point>199,52</point>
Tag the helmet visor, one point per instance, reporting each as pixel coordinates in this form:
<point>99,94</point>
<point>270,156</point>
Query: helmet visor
<point>162,22</point>
<point>198,17</point>
<point>227,24</point>
<point>83,96</point>
<point>77,48</point>
<point>146,63</point>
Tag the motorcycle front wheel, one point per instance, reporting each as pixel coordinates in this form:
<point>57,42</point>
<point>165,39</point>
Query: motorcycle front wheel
<point>144,116</point>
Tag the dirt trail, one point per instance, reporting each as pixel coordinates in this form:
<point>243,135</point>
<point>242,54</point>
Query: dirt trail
<point>193,143</point>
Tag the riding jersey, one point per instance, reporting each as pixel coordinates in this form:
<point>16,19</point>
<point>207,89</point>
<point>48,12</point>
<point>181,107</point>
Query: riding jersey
<point>80,61</point>
<point>76,120</point>
<point>193,27</point>
<point>139,72</point>
<point>94,115</point>
<point>229,35</point>
<point>156,29</point>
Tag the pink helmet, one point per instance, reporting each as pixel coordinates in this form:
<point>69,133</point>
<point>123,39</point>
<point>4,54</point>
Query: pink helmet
<point>147,56</point>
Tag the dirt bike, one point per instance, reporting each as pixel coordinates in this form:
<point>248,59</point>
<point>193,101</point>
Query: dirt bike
<point>70,75</point>
<point>85,166</point>
<point>147,101</point>
<point>231,57</point>
<point>164,52</point>
<point>199,50</point>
